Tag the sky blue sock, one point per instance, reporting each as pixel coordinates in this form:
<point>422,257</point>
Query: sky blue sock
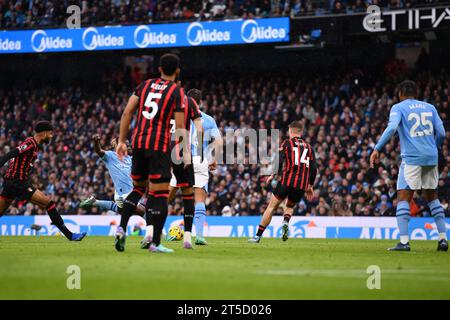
<point>438,214</point>
<point>403,216</point>
<point>106,205</point>
<point>199,218</point>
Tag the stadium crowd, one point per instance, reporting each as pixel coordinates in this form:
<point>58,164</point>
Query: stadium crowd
<point>343,120</point>
<point>51,13</point>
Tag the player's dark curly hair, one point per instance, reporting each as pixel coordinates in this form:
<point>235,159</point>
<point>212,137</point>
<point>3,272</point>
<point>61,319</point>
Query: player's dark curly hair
<point>43,126</point>
<point>195,94</point>
<point>407,88</point>
<point>169,63</point>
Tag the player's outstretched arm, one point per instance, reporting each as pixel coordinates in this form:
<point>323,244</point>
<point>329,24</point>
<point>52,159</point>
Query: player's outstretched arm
<point>182,135</point>
<point>25,147</point>
<point>394,121</point>
<point>313,169</point>
<point>125,121</point>
<point>278,164</point>
<point>440,131</point>
<point>217,147</point>
<point>10,155</point>
<point>97,146</point>
<point>200,136</point>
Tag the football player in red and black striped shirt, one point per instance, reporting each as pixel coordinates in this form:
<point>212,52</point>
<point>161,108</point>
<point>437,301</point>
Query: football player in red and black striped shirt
<point>296,172</point>
<point>16,179</point>
<point>183,177</point>
<point>157,101</point>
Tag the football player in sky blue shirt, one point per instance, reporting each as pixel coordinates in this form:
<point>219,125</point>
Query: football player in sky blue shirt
<point>212,141</point>
<point>421,134</point>
<point>120,173</point>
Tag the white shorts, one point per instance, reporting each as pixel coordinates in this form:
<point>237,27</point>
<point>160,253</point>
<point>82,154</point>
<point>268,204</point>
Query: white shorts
<point>173,180</point>
<point>413,177</point>
<point>119,198</point>
<point>201,173</point>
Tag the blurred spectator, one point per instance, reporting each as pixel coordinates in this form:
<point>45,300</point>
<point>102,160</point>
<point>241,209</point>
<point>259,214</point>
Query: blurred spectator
<point>51,13</point>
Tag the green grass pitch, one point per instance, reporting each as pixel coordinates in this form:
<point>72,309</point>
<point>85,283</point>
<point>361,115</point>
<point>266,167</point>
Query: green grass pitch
<point>229,268</point>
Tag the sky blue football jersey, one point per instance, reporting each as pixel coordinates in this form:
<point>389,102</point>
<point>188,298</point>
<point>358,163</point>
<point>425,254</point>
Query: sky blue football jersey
<point>211,131</point>
<point>420,130</point>
<point>120,172</point>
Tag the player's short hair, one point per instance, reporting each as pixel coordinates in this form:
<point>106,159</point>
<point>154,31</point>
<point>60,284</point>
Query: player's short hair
<point>296,125</point>
<point>196,95</point>
<point>114,141</point>
<point>43,126</point>
<point>169,63</point>
<point>407,88</point>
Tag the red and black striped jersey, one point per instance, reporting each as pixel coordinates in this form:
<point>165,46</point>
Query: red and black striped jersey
<point>19,168</point>
<point>191,112</point>
<point>299,169</point>
<point>158,100</point>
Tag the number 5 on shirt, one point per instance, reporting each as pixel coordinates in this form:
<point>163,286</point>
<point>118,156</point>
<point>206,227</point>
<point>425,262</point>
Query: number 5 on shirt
<point>153,105</point>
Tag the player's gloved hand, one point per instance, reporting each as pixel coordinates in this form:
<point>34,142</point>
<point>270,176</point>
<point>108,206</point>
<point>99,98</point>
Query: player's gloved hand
<point>121,150</point>
<point>96,137</point>
<point>442,162</point>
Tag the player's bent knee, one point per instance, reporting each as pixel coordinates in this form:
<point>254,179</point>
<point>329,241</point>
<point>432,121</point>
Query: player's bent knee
<point>160,184</point>
<point>275,202</point>
<point>200,195</point>
<point>290,204</point>
<point>187,191</point>
<point>405,195</point>
<point>41,201</point>
<point>430,194</point>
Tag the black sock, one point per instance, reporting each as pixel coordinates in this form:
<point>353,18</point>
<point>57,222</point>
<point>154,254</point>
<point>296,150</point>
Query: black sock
<point>148,209</point>
<point>287,217</point>
<point>129,206</point>
<point>260,230</point>
<point>159,214</point>
<point>57,220</point>
<point>189,211</point>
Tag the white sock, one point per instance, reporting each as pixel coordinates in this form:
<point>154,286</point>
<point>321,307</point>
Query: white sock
<point>442,235</point>
<point>404,239</point>
<point>149,231</point>
<point>187,237</point>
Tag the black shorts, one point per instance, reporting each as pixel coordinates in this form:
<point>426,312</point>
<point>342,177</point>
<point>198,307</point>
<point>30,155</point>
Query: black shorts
<point>153,165</point>
<point>294,195</point>
<point>184,176</point>
<point>17,189</point>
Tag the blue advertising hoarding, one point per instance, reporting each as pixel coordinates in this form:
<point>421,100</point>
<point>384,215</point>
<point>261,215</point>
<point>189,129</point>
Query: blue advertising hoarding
<point>300,227</point>
<point>192,34</point>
